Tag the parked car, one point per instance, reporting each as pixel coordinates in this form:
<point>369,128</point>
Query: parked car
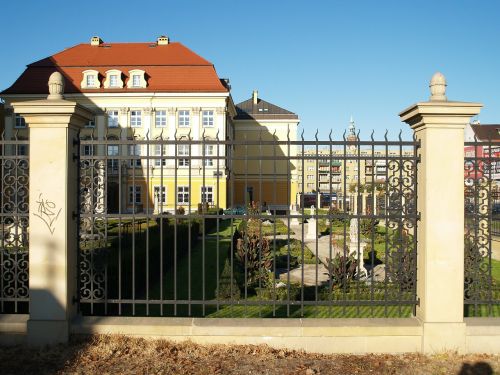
<point>236,210</point>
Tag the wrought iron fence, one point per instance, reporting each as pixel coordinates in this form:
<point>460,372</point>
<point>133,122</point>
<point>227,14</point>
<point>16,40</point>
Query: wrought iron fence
<point>14,289</point>
<point>223,228</point>
<point>482,250</point>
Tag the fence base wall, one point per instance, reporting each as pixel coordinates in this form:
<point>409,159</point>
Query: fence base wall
<point>328,336</point>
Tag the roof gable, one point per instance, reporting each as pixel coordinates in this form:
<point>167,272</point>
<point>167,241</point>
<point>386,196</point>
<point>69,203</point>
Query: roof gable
<point>247,110</point>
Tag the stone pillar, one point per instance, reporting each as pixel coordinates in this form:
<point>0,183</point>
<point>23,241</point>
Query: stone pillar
<point>53,126</point>
<point>439,125</point>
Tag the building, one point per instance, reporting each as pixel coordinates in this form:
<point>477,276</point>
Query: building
<point>141,91</point>
<point>343,176</point>
<point>482,149</point>
<point>266,170</point>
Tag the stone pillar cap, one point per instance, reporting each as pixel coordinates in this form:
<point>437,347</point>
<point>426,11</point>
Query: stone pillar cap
<point>438,87</point>
<point>56,86</point>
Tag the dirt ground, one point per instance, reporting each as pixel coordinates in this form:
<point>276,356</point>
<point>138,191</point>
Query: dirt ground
<point>125,355</point>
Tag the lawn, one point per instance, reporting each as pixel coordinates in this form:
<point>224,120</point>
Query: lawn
<point>164,282</point>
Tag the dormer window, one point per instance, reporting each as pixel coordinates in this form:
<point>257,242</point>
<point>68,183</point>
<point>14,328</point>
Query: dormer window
<point>113,79</point>
<point>137,79</point>
<point>90,79</point>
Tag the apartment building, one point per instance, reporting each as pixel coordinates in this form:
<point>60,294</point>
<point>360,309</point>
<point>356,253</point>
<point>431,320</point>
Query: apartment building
<point>336,176</point>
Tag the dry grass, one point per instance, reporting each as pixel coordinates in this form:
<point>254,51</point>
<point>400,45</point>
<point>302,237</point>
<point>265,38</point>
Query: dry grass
<point>126,355</point>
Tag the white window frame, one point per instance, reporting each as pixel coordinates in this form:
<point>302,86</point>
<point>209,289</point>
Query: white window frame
<point>134,192</point>
<point>90,81</point>
<point>207,192</point>
<point>208,118</point>
<point>90,75</point>
<point>161,118</point>
<point>134,150</point>
<point>132,83</point>
<point>113,164</point>
<point>183,193</point>
<point>136,80</point>
<point>113,122</point>
<point>20,122</point>
<point>184,118</point>
<point>209,151</point>
<point>109,83</point>
<point>135,118</point>
<point>158,152</point>
<point>183,150</point>
<point>113,80</point>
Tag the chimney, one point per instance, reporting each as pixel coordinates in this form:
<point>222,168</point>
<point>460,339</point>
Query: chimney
<point>95,41</point>
<point>162,40</point>
<point>255,97</point>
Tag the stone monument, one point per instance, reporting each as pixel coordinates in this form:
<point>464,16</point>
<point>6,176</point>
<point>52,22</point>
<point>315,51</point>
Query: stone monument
<point>354,242</point>
<point>293,211</point>
<point>312,232</point>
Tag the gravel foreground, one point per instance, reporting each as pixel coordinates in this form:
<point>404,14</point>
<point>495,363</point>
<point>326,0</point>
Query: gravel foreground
<point>115,354</point>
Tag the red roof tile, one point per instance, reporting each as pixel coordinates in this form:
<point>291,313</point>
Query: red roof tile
<point>169,68</point>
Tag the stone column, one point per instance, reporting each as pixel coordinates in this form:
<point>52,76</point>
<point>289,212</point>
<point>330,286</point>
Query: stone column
<point>53,126</point>
<point>439,125</point>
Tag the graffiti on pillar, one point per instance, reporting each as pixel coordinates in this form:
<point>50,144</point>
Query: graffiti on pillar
<point>48,212</point>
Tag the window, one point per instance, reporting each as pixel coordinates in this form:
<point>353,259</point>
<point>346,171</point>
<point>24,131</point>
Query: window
<point>161,119</point>
<point>160,198</point>
<point>90,79</point>
<point>207,194</point>
<point>135,150</point>
<point>88,150</point>
<point>310,177</point>
<point>20,121</point>
<point>310,186</point>
<point>136,80</point>
<point>90,124</point>
<point>183,150</point>
<point>113,150</point>
<point>134,194</point>
<point>209,151</point>
<point>183,118</point>
<point>22,150</point>
<point>310,168</point>
<point>135,119</point>
<point>113,80</point>
<point>113,119</point>
<point>160,150</point>
<point>208,118</point>
<point>182,194</point>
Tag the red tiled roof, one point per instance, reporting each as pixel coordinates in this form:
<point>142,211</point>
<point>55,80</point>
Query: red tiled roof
<point>486,132</point>
<point>169,68</point>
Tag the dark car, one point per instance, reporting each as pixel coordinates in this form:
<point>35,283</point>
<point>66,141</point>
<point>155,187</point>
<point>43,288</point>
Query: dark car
<point>236,210</point>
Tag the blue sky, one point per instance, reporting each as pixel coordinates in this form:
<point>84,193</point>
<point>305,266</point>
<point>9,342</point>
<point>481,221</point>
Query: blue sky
<point>324,60</point>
